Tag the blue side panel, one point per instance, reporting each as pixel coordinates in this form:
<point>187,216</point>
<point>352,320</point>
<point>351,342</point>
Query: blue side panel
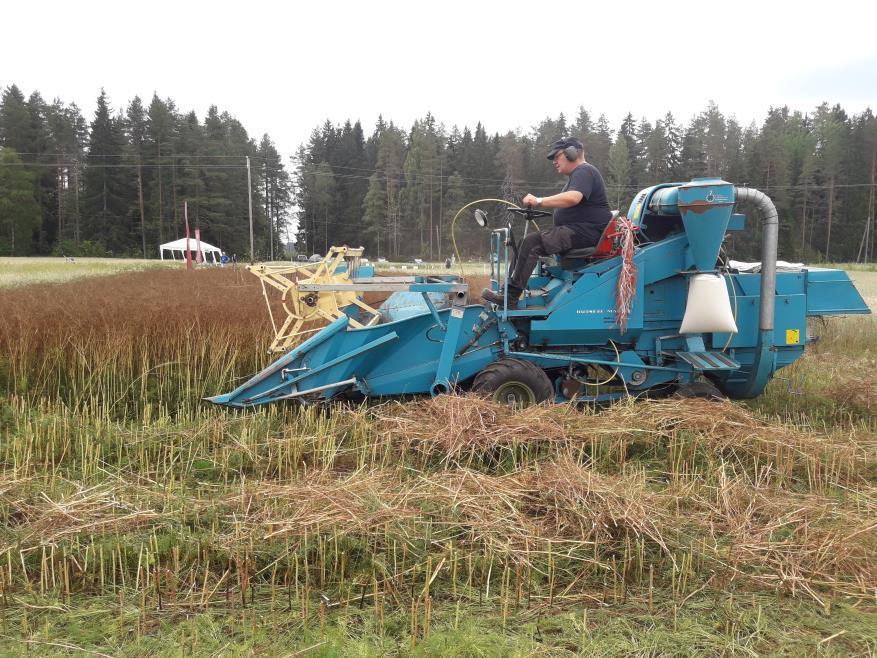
<point>411,365</point>
<point>587,314</point>
<point>664,303</point>
<point>830,292</point>
<point>663,260</point>
<point>402,305</point>
<point>746,316</point>
<point>364,269</point>
<point>790,323</point>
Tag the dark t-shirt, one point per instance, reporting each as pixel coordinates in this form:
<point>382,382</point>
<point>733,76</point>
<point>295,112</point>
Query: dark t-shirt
<point>589,217</point>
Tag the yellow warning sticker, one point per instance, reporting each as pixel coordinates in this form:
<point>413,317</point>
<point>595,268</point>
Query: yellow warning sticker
<point>636,211</point>
<point>793,336</point>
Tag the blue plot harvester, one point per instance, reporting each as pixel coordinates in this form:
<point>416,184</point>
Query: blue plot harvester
<point>691,322</point>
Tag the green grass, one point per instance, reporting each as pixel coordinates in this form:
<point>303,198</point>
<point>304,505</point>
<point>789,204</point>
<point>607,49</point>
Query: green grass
<point>705,624</point>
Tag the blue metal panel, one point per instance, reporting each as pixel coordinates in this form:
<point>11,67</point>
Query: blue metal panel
<point>388,359</point>
<point>664,303</point>
<point>450,344</point>
<point>662,260</point>
<point>737,223</point>
<point>746,316</point>
<point>404,304</point>
<point>706,205</point>
<point>638,205</point>
<point>791,283</point>
<point>664,201</point>
<point>830,292</point>
<point>587,314</point>
<point>412,365</point>
<point>364,269</point>
<point>790,320</point>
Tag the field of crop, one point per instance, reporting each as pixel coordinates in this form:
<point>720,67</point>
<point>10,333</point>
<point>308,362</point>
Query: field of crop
<point>27,271</point>
<point>138,521</point>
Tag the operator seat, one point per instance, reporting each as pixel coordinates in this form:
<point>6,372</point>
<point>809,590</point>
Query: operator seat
<point>573,258</point>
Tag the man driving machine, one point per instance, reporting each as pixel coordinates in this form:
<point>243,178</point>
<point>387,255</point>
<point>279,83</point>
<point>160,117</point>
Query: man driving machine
<point>581,212</point>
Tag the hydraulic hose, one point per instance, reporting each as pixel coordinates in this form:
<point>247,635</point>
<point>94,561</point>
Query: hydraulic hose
<point>454,223</point>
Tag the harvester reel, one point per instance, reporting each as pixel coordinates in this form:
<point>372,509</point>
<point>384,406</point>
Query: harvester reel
<point>308,311</point>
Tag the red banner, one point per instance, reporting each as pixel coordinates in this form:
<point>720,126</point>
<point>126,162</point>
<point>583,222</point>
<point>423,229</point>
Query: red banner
<point>198,257</point>
<point>188,243</point>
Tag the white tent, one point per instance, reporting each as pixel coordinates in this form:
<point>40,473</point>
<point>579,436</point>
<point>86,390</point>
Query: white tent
<point>180,246</point>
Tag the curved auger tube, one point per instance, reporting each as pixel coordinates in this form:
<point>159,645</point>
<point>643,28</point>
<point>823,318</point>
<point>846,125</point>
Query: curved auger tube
<point>763,365</point>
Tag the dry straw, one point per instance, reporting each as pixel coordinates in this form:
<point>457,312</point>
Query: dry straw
<point>109,463</point>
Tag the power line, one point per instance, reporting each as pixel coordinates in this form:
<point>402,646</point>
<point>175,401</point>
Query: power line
<point>135,155</point>
<point>465,181</point>
<point>155,162</point>
<point>400,175</point>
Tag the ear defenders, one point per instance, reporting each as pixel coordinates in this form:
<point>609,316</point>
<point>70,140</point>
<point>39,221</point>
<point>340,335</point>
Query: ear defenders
<point>571,153</point>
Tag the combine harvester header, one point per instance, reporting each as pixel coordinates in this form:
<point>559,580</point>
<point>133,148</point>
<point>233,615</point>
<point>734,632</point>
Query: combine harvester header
<point>652,309</point>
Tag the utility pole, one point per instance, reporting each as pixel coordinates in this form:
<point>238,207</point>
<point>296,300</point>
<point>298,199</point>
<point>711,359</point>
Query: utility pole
<point>250,199</point>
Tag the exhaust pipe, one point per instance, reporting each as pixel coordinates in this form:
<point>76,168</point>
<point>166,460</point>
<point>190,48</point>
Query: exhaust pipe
<point>769,237</point>
<point>764,364</point>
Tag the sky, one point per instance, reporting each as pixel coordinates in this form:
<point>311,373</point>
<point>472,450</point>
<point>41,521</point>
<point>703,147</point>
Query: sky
<point>284,68</point>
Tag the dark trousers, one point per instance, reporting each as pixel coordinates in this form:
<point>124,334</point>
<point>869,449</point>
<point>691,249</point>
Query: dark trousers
<point>554,240</point>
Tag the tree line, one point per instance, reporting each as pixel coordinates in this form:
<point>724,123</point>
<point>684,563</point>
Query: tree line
<point>117,185</point>
<point>397,191</point>
<point>124,182</point>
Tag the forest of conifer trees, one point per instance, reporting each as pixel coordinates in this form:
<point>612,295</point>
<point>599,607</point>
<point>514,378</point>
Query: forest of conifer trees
<point>396,191</point>
<point>115,185</point>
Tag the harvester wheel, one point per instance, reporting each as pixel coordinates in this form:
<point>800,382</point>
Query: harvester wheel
<point>702,390</point>
<point>514,382</point>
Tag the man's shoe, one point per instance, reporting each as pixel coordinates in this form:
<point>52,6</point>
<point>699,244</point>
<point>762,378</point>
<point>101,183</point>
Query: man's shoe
<point>494,297</point>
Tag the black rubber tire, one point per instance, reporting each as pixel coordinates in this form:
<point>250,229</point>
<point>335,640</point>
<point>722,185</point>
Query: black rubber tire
<point>514,382</point>
<point>701,390</point>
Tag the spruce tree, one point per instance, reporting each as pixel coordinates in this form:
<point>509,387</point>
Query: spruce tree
<point>19,210</point>
<point>159,146</point>
<point>68,136</point>
<point>374,216</point>
<point>15,122</point>
<point>136,131</point>
<point>110,188</point>
<point>619,171</point>
<point>597,152</point>
<point>275,193</point>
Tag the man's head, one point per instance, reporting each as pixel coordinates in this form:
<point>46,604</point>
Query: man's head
<point>567,154</point>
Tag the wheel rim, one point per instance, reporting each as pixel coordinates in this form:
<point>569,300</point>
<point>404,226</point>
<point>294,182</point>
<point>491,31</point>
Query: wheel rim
<point>515,393</point>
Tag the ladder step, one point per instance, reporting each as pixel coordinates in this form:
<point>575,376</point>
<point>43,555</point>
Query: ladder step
<point>708,360</point>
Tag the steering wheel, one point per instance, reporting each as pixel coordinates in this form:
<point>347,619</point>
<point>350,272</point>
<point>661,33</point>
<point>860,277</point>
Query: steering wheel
<point>529,213</point>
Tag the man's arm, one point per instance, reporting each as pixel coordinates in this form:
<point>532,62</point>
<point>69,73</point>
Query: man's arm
<point>581,184</point>
<point>566,199</point>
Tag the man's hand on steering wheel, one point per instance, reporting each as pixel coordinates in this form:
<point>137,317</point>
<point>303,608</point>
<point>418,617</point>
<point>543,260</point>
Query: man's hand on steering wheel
<point>529,210</point>
<point>530,204</point>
